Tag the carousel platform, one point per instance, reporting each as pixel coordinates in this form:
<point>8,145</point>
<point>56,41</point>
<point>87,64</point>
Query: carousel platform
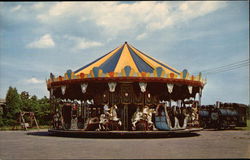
<point>125,134</point>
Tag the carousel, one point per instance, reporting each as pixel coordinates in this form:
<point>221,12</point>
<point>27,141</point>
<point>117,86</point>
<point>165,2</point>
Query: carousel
<point>125,92</point>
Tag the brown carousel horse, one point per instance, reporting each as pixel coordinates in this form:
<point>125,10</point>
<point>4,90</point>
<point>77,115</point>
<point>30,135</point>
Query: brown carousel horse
<point>92,123</point>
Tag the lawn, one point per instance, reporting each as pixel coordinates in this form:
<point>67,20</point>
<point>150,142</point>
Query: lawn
<point>245,128</point>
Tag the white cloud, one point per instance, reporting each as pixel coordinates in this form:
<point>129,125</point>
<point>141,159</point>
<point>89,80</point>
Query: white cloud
<point>141,36</point>
<point>45,41</point>
<point>38,5</point>
<point>16,8</point>
<point>116,18</point>
<point>34,81</point>
<point>82,43</point>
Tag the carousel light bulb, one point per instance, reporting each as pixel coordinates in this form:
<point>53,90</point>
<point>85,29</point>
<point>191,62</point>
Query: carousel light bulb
<point>63,88</point>
<point>143,86</point>
<point>84,87</point>
<point>112,86</point>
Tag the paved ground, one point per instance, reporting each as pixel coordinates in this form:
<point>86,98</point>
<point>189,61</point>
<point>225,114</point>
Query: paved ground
<point>209,144</point>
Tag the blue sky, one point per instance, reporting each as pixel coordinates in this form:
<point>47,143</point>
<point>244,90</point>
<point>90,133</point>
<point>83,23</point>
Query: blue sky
<point>37,38</point>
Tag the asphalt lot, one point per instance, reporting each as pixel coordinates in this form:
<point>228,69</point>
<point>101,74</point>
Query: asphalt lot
<point>208,144</point>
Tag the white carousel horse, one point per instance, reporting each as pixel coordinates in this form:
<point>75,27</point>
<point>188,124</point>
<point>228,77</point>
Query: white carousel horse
<point>136,117</point>
<point>109,116</point>
<point>149,118</point>
<point>104,118</point>
<point>103,121</point>
<point>146,115</point>
<point>113,114</point>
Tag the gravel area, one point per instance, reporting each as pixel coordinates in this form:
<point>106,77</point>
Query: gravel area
<point>209,144</point>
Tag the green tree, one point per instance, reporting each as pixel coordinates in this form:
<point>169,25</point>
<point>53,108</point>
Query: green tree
<point>24,95</point>
<point>25,101</point>
<point>13,106</point>
<point>43,114</point>
<point>34,104</point>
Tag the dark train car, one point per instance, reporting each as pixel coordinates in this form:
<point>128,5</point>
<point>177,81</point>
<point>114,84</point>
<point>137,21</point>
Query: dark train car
<point>223,116</point>
<point>242,114</point>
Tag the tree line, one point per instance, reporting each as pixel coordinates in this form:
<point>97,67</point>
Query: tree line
<point>15,103</point>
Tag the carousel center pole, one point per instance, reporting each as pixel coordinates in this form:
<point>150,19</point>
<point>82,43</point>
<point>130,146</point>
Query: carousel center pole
<point>125,117</point>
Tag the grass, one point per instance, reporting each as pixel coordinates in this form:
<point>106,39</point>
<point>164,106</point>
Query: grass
<point>245,128</point>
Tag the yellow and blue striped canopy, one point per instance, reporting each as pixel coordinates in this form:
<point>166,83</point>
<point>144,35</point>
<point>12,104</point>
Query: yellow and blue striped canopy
<point>126,55</point>
<point>129,64</point>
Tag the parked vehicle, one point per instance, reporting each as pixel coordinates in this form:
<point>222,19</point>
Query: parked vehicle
<point>223,115</point>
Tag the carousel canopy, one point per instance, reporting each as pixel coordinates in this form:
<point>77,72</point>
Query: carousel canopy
<point>126,63</point>
<point>126,55</point>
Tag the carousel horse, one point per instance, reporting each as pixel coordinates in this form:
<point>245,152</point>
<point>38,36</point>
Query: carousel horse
<point>109,120</point>
<point>195,116</point>
<point>104,118</point>
<point>176,120</point>
<point>57,120</point>
<point>183,118</point>
<point>113,113</point>
<point>114,121</point>
<point>103,122</point>
<point>92,123</point>
<point>136,118</point>
<point>142,123</point>
<point>189,115</point>
<point>149,113</point>
<point>171,115</point>
<point>143,120</point>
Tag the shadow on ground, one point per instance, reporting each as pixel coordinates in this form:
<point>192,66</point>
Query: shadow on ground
<point>114,136</point>
<point>232,129</point>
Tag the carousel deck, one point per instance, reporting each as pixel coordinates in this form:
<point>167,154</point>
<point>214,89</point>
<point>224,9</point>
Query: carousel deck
<point>124,134</point>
